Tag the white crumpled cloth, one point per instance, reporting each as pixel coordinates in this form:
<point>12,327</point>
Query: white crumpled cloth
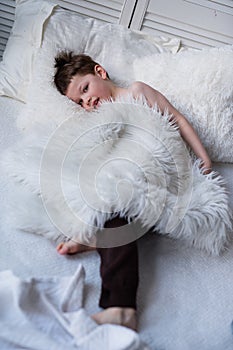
<point>46,313</point>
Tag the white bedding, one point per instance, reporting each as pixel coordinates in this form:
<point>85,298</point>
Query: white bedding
<point>46,313</point>
<point>185,297</point>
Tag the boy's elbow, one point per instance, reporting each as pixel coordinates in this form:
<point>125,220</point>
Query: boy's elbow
<point>163,103</point>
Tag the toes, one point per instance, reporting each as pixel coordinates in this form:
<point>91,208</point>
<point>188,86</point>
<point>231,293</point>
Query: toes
<point>62,249</point>
<point>69,247</point>
<point>72,247</point>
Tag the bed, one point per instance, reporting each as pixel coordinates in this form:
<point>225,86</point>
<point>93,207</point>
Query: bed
<point>185,295</point>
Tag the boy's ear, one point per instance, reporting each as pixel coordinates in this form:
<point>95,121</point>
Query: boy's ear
<point>100,71</point>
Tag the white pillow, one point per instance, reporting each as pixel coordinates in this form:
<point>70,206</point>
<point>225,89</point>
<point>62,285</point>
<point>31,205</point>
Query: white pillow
<point>200,85</point>
<point>110,43</point>
<point>22,46</point>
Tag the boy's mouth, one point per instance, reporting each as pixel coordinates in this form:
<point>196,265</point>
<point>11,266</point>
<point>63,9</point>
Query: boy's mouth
<point>96,103</point>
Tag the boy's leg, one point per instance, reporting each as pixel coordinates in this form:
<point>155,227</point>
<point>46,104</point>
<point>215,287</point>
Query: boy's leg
<point>119,273</point>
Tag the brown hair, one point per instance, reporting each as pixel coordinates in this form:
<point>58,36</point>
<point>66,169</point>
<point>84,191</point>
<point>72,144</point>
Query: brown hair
<point>68,65</point>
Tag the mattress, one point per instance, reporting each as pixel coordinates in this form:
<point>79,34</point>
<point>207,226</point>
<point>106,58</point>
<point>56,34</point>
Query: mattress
<point>184,298</point>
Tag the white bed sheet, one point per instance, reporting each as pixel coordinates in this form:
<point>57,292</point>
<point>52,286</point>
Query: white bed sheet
<point>185,298</point>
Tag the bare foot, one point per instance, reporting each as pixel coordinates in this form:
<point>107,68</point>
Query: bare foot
<point>71,247</point>
<point>123,316</point>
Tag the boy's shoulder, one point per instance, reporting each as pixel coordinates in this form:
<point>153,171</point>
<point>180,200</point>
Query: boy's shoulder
<point>138,88</point>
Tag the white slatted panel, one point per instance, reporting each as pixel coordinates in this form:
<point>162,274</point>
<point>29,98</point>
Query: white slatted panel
<point>108,11</point>
<point>197,22</point>
<point>7,10</point>
<point>219,5</point>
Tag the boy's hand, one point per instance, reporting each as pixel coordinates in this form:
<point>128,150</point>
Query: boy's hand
<point>206,165</point>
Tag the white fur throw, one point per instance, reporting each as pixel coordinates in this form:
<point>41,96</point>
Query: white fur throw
<point>122,158</point>
<point>200,85</point>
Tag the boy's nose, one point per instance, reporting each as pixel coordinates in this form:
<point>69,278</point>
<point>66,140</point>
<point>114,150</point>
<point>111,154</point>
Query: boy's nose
<point>86,101</point>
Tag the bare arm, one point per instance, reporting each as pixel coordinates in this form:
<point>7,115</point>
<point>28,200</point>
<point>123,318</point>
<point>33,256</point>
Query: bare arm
<point>186,130</point>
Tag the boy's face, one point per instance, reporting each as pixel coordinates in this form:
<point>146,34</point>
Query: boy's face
<point>90,90</point>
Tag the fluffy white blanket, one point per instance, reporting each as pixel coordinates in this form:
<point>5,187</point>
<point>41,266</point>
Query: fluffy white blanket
<point>46,313</point>
<point>199,84</point>
<point>123,158</point>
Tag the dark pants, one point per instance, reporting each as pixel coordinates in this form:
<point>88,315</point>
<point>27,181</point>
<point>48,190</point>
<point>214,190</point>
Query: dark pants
<point>119,272</point>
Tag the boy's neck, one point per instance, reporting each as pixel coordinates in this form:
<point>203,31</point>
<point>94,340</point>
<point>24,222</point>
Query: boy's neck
<point>118,91</point>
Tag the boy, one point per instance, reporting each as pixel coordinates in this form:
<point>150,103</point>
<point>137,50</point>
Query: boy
<point>87,83</point>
